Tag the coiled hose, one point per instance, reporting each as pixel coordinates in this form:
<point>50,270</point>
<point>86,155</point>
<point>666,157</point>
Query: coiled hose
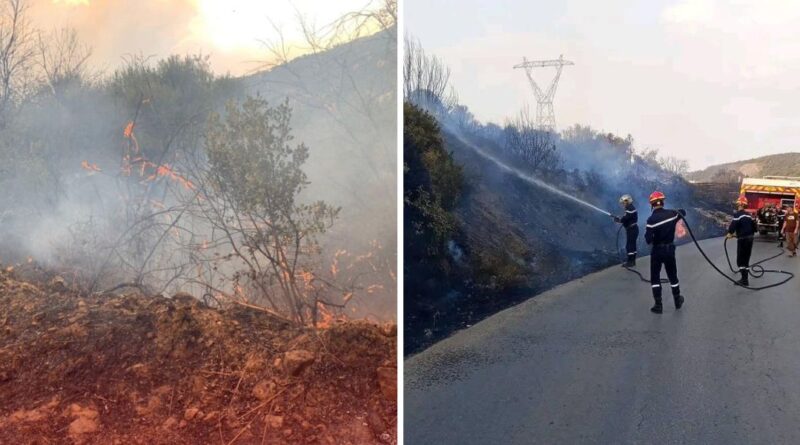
<point>756,269</point>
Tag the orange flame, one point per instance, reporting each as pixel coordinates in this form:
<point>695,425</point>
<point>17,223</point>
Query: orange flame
<point>326,317</point>
<point>680,229</point>
<point>128,132</point>
<point>92,168</point>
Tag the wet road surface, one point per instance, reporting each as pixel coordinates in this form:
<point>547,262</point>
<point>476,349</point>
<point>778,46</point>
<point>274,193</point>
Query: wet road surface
<point>588,363</point>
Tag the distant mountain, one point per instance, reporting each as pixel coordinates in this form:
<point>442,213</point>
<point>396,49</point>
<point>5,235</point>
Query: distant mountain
<point>784,164</point>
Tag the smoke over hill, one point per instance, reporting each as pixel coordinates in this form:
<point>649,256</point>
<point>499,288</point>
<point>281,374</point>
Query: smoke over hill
<point>275,189</point>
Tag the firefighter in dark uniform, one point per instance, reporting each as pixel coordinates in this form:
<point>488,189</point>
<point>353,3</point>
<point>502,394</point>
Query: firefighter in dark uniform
<point>630,222</point>
<point>660,234</point>
<point>743,227</point>
<point>781,221</point>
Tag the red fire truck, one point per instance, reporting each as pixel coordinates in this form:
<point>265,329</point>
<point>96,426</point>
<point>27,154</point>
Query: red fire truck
<point>765,196</point>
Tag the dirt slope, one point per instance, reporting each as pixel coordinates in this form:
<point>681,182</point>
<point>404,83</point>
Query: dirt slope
<point>138,369</point>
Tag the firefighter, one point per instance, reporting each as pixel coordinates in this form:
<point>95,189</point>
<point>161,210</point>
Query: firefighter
<point>629,221</point>
<point>743,227</point>
<point>660,234</point>
<point>781,221</point>
<point>790,230</point>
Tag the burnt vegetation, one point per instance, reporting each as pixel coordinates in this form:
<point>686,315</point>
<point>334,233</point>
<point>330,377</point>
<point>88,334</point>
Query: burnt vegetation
<point>483,239</point>
<point>163,176</point>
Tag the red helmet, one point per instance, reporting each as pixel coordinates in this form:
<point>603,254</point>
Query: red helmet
<point>742,200</point>
<point>656,196</point>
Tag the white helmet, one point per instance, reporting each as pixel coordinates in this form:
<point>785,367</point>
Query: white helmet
<point>625,199</point>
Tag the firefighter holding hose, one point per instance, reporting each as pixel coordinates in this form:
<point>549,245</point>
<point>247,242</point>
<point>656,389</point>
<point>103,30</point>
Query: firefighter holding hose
<point>629,221</point>
<point>660,234</point>
<point>743,227</point>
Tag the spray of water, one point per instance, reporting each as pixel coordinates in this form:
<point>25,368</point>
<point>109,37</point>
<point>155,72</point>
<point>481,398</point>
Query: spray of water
<point>526,177</point>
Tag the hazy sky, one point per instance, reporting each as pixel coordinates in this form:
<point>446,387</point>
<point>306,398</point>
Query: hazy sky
<point>707,81</point>
<point>227,30</point>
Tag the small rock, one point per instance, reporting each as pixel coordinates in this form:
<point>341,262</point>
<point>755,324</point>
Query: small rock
<point>191,413</point>
<point>387,380</point>
<point>58,284</point>
<point>254,364</point>
<point>389,330</point>
<point>33,415</point>
<point>294,362</point>
<point>264,390</point>
<point>273,422</point>
<point>169,423</point>
<point>76,410</point>
<point>83,425</point>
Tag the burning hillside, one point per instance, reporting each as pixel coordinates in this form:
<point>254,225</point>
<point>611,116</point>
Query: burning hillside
<point>133,368</point>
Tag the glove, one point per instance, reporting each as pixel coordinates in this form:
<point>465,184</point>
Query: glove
<point>616,219</point>
<point>729,235</point>
<point>682,212</point>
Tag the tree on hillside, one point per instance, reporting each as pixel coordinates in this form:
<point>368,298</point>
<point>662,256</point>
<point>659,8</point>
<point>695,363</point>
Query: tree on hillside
<point>533,147</point>
<point>249,195</point>
<point>17,54</point>
<point>426,79</point>
<point>62,59</point>
<point>671,164</point>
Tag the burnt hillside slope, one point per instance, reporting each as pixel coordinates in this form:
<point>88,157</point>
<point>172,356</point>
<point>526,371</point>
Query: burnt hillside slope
<point>511,239</point>
<point>135,369</point>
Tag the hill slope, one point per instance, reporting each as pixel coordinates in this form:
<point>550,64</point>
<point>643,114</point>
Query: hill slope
<point>784,164</point>
<point>477,246</point>
<point>141,369</point>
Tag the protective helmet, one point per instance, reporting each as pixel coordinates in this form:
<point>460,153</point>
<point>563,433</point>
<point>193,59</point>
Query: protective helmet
<point>656,196</point>
<point>625,199</point>
<point>742,201</point>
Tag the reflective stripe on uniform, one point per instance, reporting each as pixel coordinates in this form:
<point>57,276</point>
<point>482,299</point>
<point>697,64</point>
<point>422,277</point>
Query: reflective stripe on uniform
<point>630,211</point>
<point>656,285</point>
<point>742,216</point>
<point>674,285</point>
<point>650,226</point>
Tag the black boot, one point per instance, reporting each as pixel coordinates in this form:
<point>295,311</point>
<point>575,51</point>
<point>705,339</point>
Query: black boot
<point>678,301</point>
<point>630,262</point>
<point>744,281</point>
<point>657,308</point>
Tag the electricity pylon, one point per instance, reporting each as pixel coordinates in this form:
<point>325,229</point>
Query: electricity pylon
<point>545,114</point>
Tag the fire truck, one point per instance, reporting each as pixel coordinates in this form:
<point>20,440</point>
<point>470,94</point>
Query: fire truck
<point>765,196</point>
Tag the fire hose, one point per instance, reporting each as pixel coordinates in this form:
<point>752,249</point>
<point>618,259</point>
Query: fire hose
<point>756,268</point>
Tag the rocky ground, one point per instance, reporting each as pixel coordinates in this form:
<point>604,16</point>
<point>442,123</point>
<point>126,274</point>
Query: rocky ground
<point>136,369</point>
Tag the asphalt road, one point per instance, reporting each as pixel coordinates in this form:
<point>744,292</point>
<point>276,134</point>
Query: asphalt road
<point>588,363</point>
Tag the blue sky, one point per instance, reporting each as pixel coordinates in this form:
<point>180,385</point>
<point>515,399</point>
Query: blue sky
<point>707,81</point>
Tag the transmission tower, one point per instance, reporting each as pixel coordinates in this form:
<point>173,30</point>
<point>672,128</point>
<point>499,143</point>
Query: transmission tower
<point>545,115</point>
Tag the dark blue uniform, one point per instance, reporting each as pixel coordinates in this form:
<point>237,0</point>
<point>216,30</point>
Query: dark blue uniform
<point>660,234</point>
<point>630,222</point>
<point>744,227</point>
